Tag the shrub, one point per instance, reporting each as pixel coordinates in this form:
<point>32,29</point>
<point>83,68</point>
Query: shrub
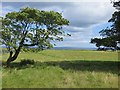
<point>27,62</point>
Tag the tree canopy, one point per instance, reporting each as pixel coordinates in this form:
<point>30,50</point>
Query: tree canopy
<point>111,35</point>
<point>31,27</point>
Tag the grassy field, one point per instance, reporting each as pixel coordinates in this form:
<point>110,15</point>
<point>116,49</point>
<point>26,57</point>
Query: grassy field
<point>63,69</point>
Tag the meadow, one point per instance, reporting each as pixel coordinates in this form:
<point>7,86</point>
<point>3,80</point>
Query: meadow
<point>63,69</point>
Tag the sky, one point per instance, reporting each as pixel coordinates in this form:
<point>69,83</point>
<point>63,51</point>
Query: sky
<point>86,18</point>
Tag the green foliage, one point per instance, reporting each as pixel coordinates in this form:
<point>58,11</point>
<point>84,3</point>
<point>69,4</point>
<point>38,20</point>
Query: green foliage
<point>111,35</point>
<point>32,27</point>
<point>107,42</point>
<point>35,50</point>
<point>97,41</point>
<point>116,5</point>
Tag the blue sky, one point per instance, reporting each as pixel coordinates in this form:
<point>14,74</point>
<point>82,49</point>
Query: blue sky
<point>86,18</point>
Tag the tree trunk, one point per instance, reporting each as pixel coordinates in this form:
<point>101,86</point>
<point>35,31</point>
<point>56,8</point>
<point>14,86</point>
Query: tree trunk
<point>12,58</point>
<point>8,60</point>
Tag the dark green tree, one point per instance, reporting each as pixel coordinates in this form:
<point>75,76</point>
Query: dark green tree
<point>31,27</point>
<point>111,35</point>
<point>97,41</point>
<point>106,42</point>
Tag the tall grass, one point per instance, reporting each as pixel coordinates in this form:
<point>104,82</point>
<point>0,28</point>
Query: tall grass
<point>63,69</point>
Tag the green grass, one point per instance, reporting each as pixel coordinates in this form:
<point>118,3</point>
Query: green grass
<point>62,55</point>
<point>63,69</point>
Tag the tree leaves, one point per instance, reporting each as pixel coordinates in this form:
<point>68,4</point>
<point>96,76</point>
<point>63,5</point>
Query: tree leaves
<point>41,26</point>
<point>110,35</point>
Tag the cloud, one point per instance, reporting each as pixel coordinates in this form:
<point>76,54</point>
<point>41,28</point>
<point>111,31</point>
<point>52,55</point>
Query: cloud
<point>86,14</point>
<point>82,14</point>
<point>72,29</point>
<point>84,17</point>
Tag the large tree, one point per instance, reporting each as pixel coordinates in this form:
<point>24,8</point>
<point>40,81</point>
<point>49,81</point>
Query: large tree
<point>111,35</point>
<point>31,27</point>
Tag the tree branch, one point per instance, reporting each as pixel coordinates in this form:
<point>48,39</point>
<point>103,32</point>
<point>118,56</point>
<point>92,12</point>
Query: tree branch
<point>22,41</point>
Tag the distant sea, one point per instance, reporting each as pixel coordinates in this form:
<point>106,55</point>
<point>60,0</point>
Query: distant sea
<point>72,48</point>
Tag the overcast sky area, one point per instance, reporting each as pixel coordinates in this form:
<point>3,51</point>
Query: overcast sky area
<point>86,18</point>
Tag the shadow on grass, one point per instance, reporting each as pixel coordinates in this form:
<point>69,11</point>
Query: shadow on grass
<point>76,65</point>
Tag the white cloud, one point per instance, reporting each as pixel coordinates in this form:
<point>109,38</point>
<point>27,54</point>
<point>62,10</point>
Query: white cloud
<point>86,14</point>
<point>83,17</point>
